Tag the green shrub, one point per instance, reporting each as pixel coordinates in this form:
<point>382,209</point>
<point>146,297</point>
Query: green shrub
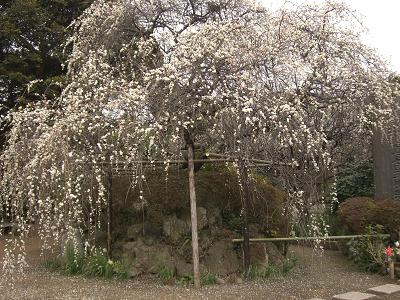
<point>288,265</point>
<point>232,221</point>
<point>257,272</point>
<point>185,280</point>
<point>368,252</point>
<point>208,279</point>
<point>205,279</point>
<point>95,265</point>
<point>167,275</point>
<point>355,180</point>
<point>271,271</point>
<point>120,270</point>
<point>72,264</point>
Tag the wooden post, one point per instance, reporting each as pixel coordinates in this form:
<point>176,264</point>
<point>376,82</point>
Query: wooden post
<point>109,212</point>
<point>391,269</point>
<point>193,214</point>
<point>246,195</point>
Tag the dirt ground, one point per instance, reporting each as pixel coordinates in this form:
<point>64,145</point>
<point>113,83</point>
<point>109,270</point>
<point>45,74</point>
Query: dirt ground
<point>315,276</point>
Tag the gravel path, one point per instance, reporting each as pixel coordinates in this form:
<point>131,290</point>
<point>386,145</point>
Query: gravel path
<point>315,276</point>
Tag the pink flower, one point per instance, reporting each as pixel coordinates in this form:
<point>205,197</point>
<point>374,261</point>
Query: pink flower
<point>389,251</point>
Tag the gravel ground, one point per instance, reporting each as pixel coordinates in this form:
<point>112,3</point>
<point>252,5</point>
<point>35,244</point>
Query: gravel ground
<point>316,276</point>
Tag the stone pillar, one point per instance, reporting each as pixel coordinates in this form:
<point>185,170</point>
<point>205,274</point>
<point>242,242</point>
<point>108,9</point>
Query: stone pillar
<point>386,168</point>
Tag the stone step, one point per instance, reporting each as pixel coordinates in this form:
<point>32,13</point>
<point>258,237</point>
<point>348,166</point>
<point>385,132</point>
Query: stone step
<point>354,296</point>
<point>386,289</point>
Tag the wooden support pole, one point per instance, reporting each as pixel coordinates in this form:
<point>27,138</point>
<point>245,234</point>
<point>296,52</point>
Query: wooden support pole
<point>246,196</point>
<point>109,212</point>
<point>391,269</point>
<point>193,214</point>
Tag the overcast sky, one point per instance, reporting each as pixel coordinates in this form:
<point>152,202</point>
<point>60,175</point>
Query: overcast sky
<point>381,17</point>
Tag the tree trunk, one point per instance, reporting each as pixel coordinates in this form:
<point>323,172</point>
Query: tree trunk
<point>246,196</point>
<point>193,210</point>
<point>109,213</point>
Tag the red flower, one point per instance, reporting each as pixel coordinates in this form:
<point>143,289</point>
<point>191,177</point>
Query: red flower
<point>389,251</point>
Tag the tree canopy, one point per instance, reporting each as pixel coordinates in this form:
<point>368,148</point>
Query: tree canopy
<point>295,87</point>
<point>32,34</point>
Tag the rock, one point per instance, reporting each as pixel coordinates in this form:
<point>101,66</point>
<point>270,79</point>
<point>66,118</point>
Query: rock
<point>183,268</point>
<point>258,254</point>
<point>151,229</point>
<point>231,278</point>
<point>220,280</point>
<point>222,259</point>
<point>204,241</point>
<point>239,280</point>
<point>274,256</point>
<point>147,258</point>
<point>175,229</point>
<point>214,216</point>
<point>149,240</point>
<point>202,220</point>
<point>386,289</point>
<point>134,231</point>
<point>354,296</point>
<point>130,246</point>
<point>117,249</point>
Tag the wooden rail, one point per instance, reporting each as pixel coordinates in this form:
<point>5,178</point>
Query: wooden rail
<point>312,238</point>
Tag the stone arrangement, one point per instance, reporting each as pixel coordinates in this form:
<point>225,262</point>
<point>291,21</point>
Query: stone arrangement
<point>373,293</point>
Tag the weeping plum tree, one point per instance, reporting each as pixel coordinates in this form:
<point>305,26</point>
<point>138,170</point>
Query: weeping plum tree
<point>150,79</point>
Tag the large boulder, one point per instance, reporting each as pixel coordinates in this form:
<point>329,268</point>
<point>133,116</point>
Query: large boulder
<point>147,258</point>
<point>183,268</point>
<point>274,256</point>
<point>222,259</point>
<point>175,229</point>
<point>214,216</point>
<point>258,254</point>
<point>202,220</point>
<point>134,231</point>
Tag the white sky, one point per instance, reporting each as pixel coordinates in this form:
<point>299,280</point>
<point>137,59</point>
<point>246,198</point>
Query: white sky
<point>381,17</point>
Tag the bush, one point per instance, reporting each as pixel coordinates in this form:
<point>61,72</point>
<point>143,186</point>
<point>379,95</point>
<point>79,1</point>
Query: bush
<point>356,213</point>
<point>367,252</point>
<point>72,264</point>
<point>387,214</point>
<point>167,275</point>
<point>208,279</point>
<point>271,271</point>
<point>98,265</point>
